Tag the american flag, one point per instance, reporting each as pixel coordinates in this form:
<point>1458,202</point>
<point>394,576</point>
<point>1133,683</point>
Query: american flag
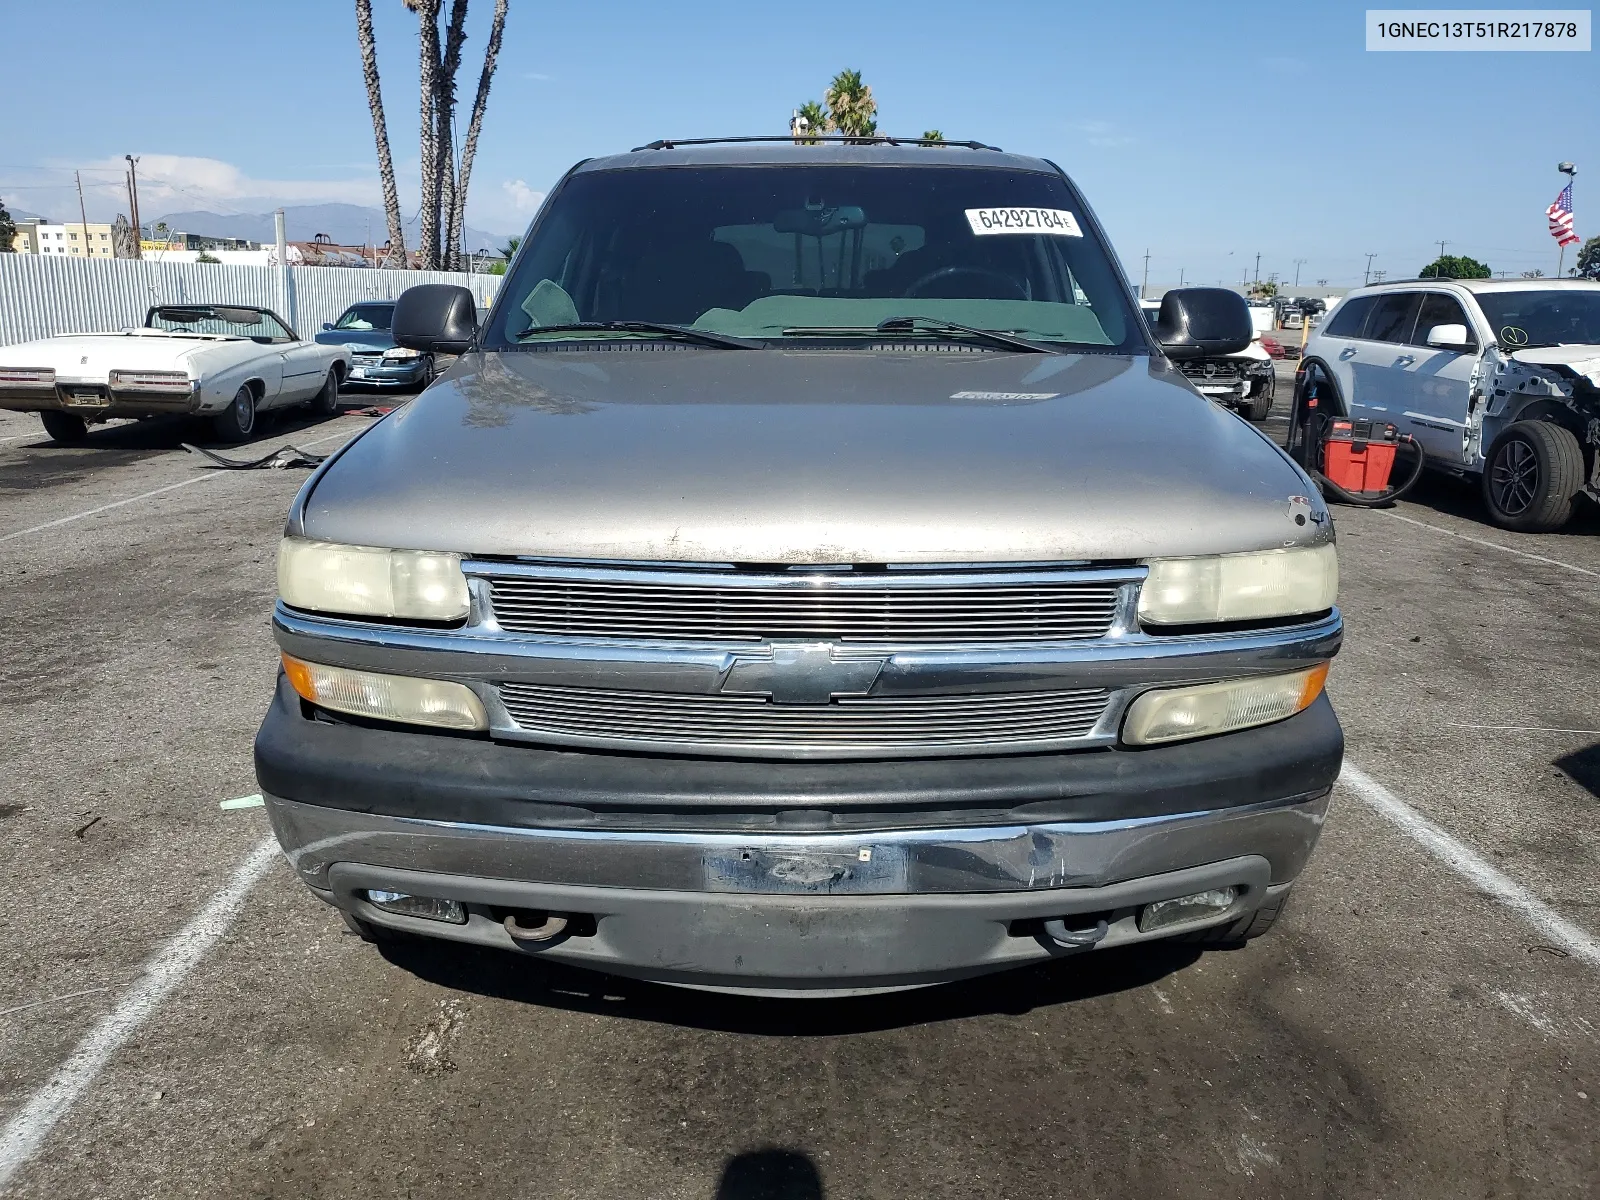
<point>1560,214</point>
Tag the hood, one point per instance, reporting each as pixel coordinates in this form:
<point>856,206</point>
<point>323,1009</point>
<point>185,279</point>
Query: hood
<point>376,339</point>
<point>1579,360</point>
<point>652,451</point>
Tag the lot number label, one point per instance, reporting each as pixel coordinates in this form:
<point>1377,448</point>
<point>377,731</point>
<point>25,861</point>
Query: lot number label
<point>1055,221</point>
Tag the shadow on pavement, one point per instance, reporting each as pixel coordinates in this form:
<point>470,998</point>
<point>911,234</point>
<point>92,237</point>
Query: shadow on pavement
<point>1583,768</point>
<point>508,976</point>
<point>770,1174</point>
<point>1463,498</point>
<point>153,435</point>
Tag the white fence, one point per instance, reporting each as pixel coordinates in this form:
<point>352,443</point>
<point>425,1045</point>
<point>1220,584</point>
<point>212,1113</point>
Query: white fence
<point>42,296</point>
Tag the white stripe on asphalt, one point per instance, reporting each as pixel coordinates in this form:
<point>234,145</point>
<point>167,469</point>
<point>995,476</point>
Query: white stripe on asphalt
<point>1554,562</point>
<point>1467,862</point>
<point>171,487</point>
<point>23,1134</point>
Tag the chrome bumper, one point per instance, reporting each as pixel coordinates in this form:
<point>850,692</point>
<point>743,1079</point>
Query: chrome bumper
<point>1011,858</point>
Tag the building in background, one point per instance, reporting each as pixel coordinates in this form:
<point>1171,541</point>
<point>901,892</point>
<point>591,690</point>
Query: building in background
<point>26,240</point>
<point>84,241</point>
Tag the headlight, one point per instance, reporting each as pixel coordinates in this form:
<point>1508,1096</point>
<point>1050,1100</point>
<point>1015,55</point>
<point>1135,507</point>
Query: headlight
<point>387,697</point>
<point>1239,587</point>
<point>399,352</point>
<point>364,581</point>
<point>1171,714</point>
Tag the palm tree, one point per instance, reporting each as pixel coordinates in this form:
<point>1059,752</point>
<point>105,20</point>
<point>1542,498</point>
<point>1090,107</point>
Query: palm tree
<point>810,119</point>
<point>428,67</point>
<point>932,135</point>
<point>469,149</point>
<point>851,108</point>
<point>510,248</point>
<point>380,132</point>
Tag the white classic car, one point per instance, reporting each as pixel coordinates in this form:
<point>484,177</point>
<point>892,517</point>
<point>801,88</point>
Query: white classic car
<point>223,361</point>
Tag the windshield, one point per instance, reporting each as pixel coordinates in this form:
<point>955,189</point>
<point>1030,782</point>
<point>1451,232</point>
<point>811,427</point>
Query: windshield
<point>807,251</point>
<point>366,318</point>
<point>1543,318</point>
<point>253,323</point>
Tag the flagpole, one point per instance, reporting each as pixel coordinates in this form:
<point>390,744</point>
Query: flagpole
<point>1571,172</point>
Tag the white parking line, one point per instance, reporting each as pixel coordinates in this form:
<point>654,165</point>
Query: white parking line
<point>23,1134</point>
<point>171,487</point>
<point>1467,862</point>
<point>1491,545</point>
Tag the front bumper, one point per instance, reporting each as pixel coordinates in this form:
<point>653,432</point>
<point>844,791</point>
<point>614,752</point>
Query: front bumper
<point>793,877</point>
<point>374,375</point>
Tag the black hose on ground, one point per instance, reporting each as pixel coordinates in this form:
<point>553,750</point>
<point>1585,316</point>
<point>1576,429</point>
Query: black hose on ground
<point>1306,426</point>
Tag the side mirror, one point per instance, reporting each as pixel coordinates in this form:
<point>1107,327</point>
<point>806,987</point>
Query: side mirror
<point>436,318</point>
<point>1203,323</point>
<point>1449,337</point>
<point>327,325</point>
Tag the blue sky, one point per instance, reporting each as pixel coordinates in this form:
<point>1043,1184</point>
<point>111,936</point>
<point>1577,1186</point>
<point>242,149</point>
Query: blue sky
<point>1203,133</point>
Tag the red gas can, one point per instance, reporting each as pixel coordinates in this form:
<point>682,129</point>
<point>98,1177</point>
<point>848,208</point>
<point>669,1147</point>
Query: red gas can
<point>1359,455</point>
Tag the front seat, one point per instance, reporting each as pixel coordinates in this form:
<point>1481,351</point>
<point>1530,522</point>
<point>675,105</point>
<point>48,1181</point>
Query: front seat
<point>678,283</point>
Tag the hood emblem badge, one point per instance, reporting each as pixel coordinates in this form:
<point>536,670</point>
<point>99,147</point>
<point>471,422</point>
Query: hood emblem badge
<point>800,673</point>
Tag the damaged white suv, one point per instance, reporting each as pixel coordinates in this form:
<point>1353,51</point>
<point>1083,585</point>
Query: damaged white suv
<point>1495,379</point>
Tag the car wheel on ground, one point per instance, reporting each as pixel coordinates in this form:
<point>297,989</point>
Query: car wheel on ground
<point>1532,474</point>
<point>238,420</point>
<point>1245,929</point>
<point>66,428</point>
<point>425,377</point>
<point>326,402</point>
<point>1257,408</point>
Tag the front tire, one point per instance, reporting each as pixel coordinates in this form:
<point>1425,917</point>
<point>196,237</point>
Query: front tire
<point>326,402</point>
<point>67,428</point>
<point>1533,473</point>
<point>238,421</point>
<point>1258,408</point>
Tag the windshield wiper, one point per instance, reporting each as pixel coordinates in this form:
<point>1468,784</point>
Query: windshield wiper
<point>931,325</point>
<point>705,337</point>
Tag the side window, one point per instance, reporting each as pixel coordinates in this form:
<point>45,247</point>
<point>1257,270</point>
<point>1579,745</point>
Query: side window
<point>1439,309</point>
<point>1394,317</point>
<point>1352,315</point>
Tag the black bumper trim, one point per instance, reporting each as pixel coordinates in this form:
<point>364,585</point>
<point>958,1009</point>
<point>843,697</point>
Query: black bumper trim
<point>435,777</point>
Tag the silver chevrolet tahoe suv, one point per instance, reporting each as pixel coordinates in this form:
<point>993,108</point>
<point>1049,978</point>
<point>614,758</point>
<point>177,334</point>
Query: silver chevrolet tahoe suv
<point>813,577</point>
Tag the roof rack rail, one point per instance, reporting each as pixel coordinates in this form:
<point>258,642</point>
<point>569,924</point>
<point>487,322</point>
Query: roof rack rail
<point>1541,280</point>
<point>873,139</point>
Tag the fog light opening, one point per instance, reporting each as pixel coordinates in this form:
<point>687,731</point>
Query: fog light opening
<point>1165,913</point>
<point>428,908</point>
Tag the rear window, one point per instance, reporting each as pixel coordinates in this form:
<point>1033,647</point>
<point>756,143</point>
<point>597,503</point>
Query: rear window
<point>795,251</point>
<point>1352,315</point>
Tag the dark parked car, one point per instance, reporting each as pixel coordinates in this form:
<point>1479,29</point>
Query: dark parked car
<point>375,357</point>
<point>815,577</point>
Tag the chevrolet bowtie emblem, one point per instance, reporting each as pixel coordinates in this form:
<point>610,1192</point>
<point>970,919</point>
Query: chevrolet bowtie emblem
<point>801,673</point>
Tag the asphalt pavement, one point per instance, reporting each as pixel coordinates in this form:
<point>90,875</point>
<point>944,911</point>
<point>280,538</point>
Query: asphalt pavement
<point>180,1018</point>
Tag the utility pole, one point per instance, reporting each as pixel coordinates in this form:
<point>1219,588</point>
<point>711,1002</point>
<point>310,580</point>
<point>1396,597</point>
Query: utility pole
<point>1571,172</point>
<point>1258,266</point>
<point>1366,276</point>
<point>1146,282</point>
<point>133,201</point>
<point>1298,263</point>
<point>1442,245</point>
<point>1180,276</point>
<point>82,215</point>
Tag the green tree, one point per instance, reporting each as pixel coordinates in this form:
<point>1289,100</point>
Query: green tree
<point>1536,273</point>
<point>932,135</point>
<point>510,248</point>
<point>204,257</point>
<point>8,229</point>
<point>1264,289</point>
<point>1455,266</point>
<point>811,119</point>
<point>851,108</point>
<point>1589,259</point>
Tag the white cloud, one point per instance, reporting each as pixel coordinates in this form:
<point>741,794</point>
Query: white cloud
<point>181,181</point>
<point>538,75</point>
<point>1101,133</point>
<point>523,198</point>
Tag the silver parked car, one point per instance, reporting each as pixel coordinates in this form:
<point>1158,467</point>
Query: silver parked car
<point>814,577</point>
<point>1497,380</point>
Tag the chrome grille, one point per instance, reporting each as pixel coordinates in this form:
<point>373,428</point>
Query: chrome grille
<point>1037,607</point>
<point>981,721</point>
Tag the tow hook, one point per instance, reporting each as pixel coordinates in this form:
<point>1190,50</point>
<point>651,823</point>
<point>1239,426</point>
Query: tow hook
<point>552,926</point>
<point>1073,939</point>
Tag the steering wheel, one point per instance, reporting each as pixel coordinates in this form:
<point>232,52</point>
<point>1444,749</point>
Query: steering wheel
<point>1011,288</point>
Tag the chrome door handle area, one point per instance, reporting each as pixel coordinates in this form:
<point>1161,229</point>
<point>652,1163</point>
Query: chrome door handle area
<point>1347,352</point>
<point>1405,360</point>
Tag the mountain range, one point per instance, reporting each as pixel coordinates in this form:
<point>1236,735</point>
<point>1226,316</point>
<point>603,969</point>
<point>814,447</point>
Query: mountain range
<point>346,224</point>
